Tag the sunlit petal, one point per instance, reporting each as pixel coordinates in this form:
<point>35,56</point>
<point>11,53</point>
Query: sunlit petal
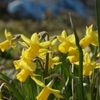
<point>63,34</point>
<point>4,45</point>
<point>38,81</point>
<point>35,38</point>
<point>45,44</point>
<point>8,35</point>
<point>27,40</point>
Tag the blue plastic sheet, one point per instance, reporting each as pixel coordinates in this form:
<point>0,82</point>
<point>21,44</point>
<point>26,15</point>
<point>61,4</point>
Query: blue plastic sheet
<point>36,8</point>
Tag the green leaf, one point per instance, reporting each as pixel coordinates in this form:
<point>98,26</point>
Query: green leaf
<point>29,88</point>
<point>11,86</point>
<point>97,2</point>
<point>97,5</point>
<point>81,90</point>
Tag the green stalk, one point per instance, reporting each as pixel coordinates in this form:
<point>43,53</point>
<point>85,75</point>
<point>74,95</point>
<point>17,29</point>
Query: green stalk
<point>12,86</point>
<point>47,62</point>
<point>81,92</point>
<point>73,83</point>
<point>46,67</point>
<point>97,5</point>
<point>98,20</point>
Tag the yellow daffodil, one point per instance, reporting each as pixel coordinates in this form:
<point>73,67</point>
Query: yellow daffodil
<point>52,60</point>
<point>31,52</point>
<point>25,65</point>
<point>63,47</point>
<point>89,65</point>
<point>46,91</point>
<point>35,41</point>
<point>98,55</point>
<point>90,38</point>
<point>33,45</point>
<point>54,45</point>
<point>26,69</point>
<point>24,73</point>
<point>22,76</point>
<point>73,55</point>
<point>7,43</point>
<point>66,42</point>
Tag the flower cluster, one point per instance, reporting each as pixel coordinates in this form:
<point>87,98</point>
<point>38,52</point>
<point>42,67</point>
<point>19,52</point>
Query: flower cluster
<point>45,53</point>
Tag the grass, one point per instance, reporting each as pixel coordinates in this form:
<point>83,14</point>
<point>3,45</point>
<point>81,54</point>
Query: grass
<point>53,25</point>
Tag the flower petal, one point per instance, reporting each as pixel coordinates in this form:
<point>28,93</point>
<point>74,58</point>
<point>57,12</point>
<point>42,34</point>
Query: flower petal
<point>63,34</point>
<point>16,64</point>
<point>4,45</point>
<point>35,38</point>
<point>8,35</point>
<point>45,44</point>
<point>27,40</point>
<point>87,58</point>
<point>55,92</point>
<point>38,81</point>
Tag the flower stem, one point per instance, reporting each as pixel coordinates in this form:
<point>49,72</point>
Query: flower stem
<point>72,82</point>
<point>97,5</point>
<point>46,67</point>
<point>81,92</point>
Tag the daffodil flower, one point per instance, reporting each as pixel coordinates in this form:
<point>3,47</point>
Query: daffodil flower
<point>73,55</point>
<point>33,45</point>
<point>98,55</point>
<point>90,38</point>
<point>89,65</point>
<point>54,45</point>
<point>46,91</point>
<point>7,43</point>
<point>52,61</point>
<point>23,74</point>
<point>35,41</point>
<point>27,69</point>
<point>66,42</point>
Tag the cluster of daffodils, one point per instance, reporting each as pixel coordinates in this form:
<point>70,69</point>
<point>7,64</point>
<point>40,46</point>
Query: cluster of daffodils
<point>46,52</point>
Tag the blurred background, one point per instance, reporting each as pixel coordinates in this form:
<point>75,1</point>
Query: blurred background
<point>29,16</point>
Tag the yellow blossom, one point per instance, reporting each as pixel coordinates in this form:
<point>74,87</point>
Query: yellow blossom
<point>90,38</point>
<point>26,69</point>
<point>52,61</point>
<point>35,41</point>
<point>66,42</point>
<point>31,52</point>
<point>54,45</point>
<point>25,65</point>
<point>73,55</point>
<point>63,47</point>
<point>33,45</point>
<point>22,76</point>
<point>4,45</point>
<point>98,55</point>
<point>46,91</point>
<point>89,65</point>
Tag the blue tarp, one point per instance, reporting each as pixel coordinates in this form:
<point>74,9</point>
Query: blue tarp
<point>36,8</point>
